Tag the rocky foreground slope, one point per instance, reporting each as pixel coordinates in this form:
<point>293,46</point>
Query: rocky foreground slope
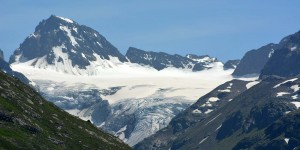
<point>27,121</point>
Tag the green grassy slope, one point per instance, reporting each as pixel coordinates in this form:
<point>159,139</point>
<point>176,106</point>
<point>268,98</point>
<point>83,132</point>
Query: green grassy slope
<point>27,121</point>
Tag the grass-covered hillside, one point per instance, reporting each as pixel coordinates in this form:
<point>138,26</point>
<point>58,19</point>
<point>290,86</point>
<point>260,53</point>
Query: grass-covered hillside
<point>27,121</point>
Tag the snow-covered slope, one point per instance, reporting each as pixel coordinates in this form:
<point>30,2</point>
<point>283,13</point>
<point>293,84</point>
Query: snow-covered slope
<point>140,100</point>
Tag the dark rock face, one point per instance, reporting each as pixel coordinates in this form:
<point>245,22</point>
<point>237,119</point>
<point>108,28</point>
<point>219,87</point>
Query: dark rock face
<point>241,120</point>
<point>230,125</point>
<point>272,138</point>
<point>156,60</point>
<point>231,64</point>
<point>285,61</point>
<point>254,60</point>
<point>196,113</point>
<point>160,60</point>
<point>79,42</point>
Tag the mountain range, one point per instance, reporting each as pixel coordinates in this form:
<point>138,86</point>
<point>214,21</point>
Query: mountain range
<point>128,95</point>
<point>150,100</point>
<point>248,117</point>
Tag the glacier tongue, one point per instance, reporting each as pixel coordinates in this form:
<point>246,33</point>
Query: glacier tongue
<point>120,95</point>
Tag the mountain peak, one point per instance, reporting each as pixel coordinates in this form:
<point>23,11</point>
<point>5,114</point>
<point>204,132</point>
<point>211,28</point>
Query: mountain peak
<point>61,18</point>
<point>284,62</point>
<point>65,46</point>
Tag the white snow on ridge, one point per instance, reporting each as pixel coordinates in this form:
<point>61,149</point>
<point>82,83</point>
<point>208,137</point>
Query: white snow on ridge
<point>65,19</point>
<point>250,84</point>
<point>213,119</point>
<point>281,94</point>
<point>291,80</point>
<point>203,140</point>
<point>218,127</point>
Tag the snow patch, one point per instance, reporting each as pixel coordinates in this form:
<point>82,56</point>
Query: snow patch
<point>80,113</point>
<point>72,38</point>
<point>197,111</point>
<point>225,90</point>
<point>250,84</point>
<point>75,29</point>
<point>83,55</point>
<point>65,19</point>
<point>295,88</point>
<point>291,80</point>
<point>287,112</point>
<point>121,133</point>
<point>293,48</point>
<point>294,96</point>
<point>286,140</point>
<point>230,85</point>
<point>281,94</point>
<point>208,111</point>
<point>271,53</point>
<point>213,119</point>
<point>297,104</point>
<point>99,44</point>
<point>213,99</point>
<point>203,140</point>
<point>218,127</point>
<point>32,35</point>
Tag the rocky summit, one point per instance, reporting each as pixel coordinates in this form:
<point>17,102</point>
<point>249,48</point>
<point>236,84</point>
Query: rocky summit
<point>161,60</point>
<point>66,46</point>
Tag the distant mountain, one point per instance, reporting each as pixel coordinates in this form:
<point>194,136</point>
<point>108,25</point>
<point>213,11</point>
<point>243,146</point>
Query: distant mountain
<point>161,60</point>
<point>254,61</point>
<point>224,128</point>
<point>202,62</point>
<point>285,61</point>
<point>265,116</point>
<point>197,112</point>
<point>66,46</point>
<point>5,67</point>
<point>1,55</point>
<point>27,121</point>
<point>231,64</point>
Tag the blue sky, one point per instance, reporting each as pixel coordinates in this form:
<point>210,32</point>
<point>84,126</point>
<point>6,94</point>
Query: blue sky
<point>225,29</point>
